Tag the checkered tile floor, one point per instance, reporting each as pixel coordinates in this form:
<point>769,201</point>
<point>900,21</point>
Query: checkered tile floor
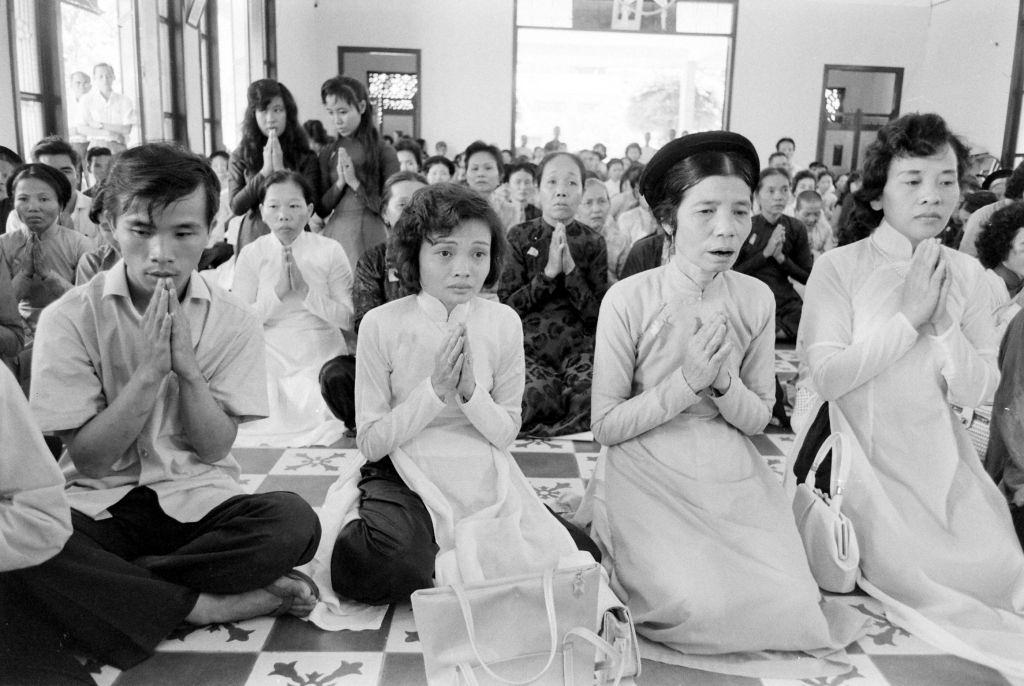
<point>290,652</point>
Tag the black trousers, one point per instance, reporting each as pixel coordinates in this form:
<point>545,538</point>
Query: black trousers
<point>389,552</point>
<point>787,318</point>
<point>338,387</point>
<point>121,584</point>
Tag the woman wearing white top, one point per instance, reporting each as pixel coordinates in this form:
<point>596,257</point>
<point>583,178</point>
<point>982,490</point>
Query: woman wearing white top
<point>896,327</point>
<point>699,532</point>
<point>300,284</point>
<point>439,385</point>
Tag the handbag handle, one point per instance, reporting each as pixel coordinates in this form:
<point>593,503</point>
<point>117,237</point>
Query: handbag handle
<point>549,606</point>
<point>840,468</point>
<point>602,645</point>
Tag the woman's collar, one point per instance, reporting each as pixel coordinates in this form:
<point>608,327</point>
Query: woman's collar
<point>437,311</point>
<point>690,275</point>
<point>892,242</point>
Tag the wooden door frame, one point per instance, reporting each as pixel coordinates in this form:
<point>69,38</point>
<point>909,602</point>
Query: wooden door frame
<point>823,115</point>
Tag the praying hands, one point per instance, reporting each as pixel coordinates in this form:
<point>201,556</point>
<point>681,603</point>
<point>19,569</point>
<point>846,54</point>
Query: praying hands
<point>290,279</point>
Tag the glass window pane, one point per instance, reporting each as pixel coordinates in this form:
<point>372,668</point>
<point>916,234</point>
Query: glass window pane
<point>28,50</point>
<point>552,13</point>
<point>31,123</point>
<point>88,38</point>
<point>670,84</point>
<point>168,127</point>
<point>704,17</point>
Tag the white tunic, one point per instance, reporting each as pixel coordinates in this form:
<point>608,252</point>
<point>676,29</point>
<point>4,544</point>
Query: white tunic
<point>700,534</point>
<point>488,522</point>
<point>301,335</point>
<point>937,544</point>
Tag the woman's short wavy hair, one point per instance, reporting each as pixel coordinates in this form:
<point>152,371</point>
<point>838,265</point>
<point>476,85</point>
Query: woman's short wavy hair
<point>435,211</point>
<point>912,135</point>
<point>996,237</point>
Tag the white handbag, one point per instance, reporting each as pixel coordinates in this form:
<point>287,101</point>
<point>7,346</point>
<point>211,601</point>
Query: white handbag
<point>828,536</point>
<point>531,629</point>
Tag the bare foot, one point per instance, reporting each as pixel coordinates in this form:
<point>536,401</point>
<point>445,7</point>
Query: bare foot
<point>289,594</point>
<point>297,592</point>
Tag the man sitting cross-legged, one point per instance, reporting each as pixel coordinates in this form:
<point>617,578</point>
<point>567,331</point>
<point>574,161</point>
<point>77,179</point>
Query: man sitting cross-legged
<point>144,373</point>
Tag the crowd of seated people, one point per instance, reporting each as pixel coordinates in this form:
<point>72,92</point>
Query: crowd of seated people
<point>437,309</point>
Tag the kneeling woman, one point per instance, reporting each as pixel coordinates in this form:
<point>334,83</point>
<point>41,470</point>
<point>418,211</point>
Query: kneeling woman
<point>300,285</point>
<point>555,277</point>
<point>699,532</point>
<point>439,383</point>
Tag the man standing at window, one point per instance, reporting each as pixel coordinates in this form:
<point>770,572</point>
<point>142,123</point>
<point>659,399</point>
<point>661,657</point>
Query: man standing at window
<point>106,117</point>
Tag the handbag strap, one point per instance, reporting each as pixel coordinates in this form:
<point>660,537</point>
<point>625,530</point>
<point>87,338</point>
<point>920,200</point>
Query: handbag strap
<point>549,606</point>
<point>617,663</point>
<point>835,442</point>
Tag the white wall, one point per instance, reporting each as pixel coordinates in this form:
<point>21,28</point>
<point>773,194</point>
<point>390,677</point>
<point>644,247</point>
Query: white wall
<point>465,60</point>
<point>782,47</point>
<point>966,72</point>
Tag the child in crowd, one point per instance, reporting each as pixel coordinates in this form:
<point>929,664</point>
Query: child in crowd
<point>896,327</point>
<point>144,374</point>
<point>439,388</point>
<point>777,251</point>
<point>105,256</point>
<point>810,212</point>
<point>699,532</point>
<point>272,140</point>
<point>353,169</point>
<point>376,283</point>
<point>595,211</point>
<point>555,277</point>
<point>300,285</point>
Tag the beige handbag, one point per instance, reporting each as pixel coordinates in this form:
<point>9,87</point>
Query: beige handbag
<point>531,629</point>
<point>828,535</point>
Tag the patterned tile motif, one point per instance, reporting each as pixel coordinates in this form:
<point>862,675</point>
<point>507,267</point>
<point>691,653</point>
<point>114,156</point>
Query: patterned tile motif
<point>290,652</point>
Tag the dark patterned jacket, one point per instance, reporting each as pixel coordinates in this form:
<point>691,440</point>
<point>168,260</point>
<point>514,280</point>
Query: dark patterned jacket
<point>526,289</point>
<point>375,283</point>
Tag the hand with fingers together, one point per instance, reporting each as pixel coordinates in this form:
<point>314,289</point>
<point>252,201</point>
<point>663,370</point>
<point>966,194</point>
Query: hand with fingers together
<point>295,278</point>
<point>448,366</point>
<point>568,264</point>
<point>705,352</point>
<point>941,320</point>
<point>183,355</point>
<point>284,278</point>
<point>556,250</point>
<point>467,379</point>
<point>776,242</point>
<point>346,169</point>
<point>926,284</point>
<point>156,335</point>
<point>273,156</point>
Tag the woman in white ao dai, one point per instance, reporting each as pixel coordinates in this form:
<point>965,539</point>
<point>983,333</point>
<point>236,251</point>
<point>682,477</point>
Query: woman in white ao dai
<point>699,531</point>
<point>897,327</point>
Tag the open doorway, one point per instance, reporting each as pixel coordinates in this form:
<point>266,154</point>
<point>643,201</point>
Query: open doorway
<point>392,77</point>
<point>856,102</point>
